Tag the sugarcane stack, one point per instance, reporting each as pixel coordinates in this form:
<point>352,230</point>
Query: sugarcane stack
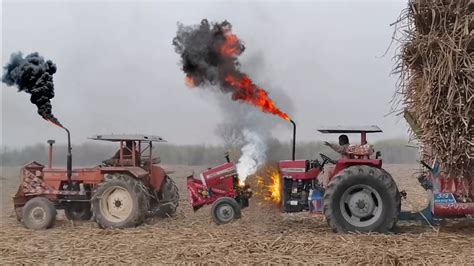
<point>435,61</point>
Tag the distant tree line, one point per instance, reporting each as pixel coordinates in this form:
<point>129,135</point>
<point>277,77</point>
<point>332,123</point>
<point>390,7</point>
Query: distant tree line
<point>91,154</point>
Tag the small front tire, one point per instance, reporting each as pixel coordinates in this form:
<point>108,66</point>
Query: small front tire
<point>225,210</point>
<point>39,213</point>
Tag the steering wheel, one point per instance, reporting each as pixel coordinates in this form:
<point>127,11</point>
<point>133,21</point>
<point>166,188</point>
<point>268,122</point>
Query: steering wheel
<point>327,159</point>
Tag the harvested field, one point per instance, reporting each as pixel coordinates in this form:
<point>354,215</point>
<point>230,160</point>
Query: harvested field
<point>263,235</point>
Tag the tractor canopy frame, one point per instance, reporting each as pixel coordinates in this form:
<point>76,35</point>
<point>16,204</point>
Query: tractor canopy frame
<point>133,149</point>
<point>362,130</point>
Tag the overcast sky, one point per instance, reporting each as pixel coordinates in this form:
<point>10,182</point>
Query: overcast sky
<point>118,71</point>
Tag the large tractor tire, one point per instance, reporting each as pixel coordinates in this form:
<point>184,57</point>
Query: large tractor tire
<point>225,210</point>
<point>78,211</point>
<point>39,213</point>
<point>399,208</point>
<point>166,201</point>
<point>362,199</point>
<point>120,202</point>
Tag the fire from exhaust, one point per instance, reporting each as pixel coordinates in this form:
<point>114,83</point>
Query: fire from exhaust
<point>189,81</point>
<point>209,57</point>
<point>231,46</point>
<point>54,123</point>
<point>250,93</point>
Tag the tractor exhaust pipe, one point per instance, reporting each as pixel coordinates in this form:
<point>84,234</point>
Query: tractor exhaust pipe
<point>69,159</point>
<point>50,153</point>
<point>294,140</point>
<point>69,154</point>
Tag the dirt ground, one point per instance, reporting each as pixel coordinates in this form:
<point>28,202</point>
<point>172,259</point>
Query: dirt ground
<point>263,235</point>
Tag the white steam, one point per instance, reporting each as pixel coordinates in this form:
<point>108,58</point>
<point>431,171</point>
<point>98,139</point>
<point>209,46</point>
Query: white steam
<point>253,154</point>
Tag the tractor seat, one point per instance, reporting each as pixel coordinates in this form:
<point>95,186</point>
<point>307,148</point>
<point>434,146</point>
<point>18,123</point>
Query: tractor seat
<point>154,160</point>
<point>359,151</point>
<point>115,162</point>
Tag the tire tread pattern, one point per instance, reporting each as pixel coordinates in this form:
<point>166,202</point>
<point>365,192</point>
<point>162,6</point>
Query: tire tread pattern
<point>47,205</point>
<point>169,186</point>
<point>226,200</point>
<point>127,182</point>
<point>382,176</point>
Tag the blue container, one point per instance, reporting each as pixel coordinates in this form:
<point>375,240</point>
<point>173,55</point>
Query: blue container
<point>315,201</point>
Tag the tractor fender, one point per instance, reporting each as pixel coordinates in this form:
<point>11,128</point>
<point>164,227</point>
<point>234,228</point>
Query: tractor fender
<point>136,172</point>
<point>157,177</point>
<point>346,163</point>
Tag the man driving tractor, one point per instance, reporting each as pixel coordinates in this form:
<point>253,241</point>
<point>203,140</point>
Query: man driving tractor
<point>343,145</point>
<point>341,149</point>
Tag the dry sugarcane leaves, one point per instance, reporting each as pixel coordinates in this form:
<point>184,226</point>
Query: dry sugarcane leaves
<point>436,68</point>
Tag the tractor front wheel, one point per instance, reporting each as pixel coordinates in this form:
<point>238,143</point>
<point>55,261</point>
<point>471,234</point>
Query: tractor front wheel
<point>225,210</point>
<point>39,213</point>
<point>362,199</point>
<point>119,202</point>
<point>78,211</point>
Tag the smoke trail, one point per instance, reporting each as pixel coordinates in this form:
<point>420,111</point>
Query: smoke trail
<point>33,75</point>
<point>238,117</point>
<point>209,57</point>
<point>253,154</point>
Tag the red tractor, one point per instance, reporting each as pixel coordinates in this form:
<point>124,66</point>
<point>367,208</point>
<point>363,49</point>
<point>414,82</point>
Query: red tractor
<point>220,187</point>
<point>358,195</point>
<point>120,193</point>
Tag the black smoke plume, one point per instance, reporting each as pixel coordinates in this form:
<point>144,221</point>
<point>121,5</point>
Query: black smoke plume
<point>33,75</point>
<point>203,56</point>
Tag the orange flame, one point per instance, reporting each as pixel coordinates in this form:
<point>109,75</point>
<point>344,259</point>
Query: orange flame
<point>189,81</point>
<point>231,46</point>
<point>275,187</point>
<point>248,92</point>
<point>54,123</point>
<point>272,191</point>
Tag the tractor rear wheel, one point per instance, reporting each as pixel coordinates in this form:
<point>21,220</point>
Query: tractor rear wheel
<point>362,199</point>
<point>166,201</point>
<point>78,211</point>
<point>399,208</point>
<point>120,202</point>
<point>39,213</point>
<point>225,210</point>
